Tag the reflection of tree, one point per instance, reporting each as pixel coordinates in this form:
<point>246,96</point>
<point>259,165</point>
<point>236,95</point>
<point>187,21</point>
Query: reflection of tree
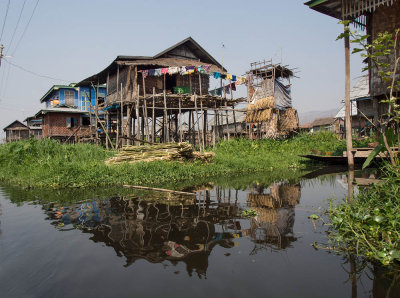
<point>386,280</point>
<point>273,225</point>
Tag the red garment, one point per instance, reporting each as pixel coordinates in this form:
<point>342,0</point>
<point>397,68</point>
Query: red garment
<point>164,70</point>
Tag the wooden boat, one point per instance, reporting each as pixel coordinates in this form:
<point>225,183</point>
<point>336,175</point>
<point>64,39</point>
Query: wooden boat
<point>360,155</point>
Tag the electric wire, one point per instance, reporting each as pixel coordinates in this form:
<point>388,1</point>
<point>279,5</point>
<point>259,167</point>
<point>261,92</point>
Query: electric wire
<point>5,19</point>
<point>34,73</point>
<point>26,28</point>
<point>16,26</point>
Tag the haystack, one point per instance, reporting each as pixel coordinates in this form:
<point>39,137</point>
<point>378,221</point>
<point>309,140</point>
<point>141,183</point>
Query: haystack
<point>272,127</point>
<point>266,214</point>
<point>263,200</point>
<point>288,120</point>
<point>290,194</point>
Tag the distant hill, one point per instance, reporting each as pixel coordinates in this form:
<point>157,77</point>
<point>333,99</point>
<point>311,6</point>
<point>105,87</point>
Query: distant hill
<point>308,117</point>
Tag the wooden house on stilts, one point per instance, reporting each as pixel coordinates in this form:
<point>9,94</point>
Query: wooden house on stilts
<point>150,99</point>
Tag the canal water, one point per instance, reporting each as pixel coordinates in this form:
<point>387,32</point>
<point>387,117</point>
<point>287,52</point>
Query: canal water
<point>146,244</point>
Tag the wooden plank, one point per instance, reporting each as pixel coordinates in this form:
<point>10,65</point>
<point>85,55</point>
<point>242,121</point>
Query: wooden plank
<point>160,189</point>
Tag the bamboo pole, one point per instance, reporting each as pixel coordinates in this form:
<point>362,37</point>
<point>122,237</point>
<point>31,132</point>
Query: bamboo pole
<point>160,189</point>
<point>202,120</point>
<point>190,128</point>
<point>227,120</point>
<point>180,121</point>
<point>137,116</point>
<point>145,108</point>
<point>122,112</point>
<point>197,120</point>
<point>166,138</point>
<point>153,118</point>
<point>215,126</point>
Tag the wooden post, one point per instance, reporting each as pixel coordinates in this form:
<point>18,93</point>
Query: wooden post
<point>145,109</point>
<point>180,120</point>
<point>202,120</point>
<point>137,116</point>
<point>154,118</point>
<point>122,115</point>
<point>197,120</point>
<point>117,136</point>
<point>193,131</point>
<point>349,139</point>
<point>165,124</point>
<point>205,127</point>
<point>96,111</point>
<point>227,119</point>
<point>215,126</point>
<point>176,137</point>
<point>107,127</point>
<point>190,128</point>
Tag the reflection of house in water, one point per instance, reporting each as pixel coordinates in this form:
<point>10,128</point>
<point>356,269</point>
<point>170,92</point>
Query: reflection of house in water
<point>273,225</point>
<point>155,230</point>
<point>186,229</point>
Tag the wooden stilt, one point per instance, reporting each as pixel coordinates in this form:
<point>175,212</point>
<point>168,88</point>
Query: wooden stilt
<point>202,120</point>
<point>122,115</point>
<point>180,120</point>
<point>215,126</point>
<point>146,119</point>
<point>137,115</point>
<point>190,128</point>
<point>153,117</point>
<point>197,120</point>
<point>193,130</point>
<point>166,137</point>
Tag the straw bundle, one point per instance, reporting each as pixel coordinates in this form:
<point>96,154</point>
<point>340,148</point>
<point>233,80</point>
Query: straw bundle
<point>262,200</point>
<point>262,103</point>
<point>266,215</point>
<point>258,115</point>
<point>147,153</point>
<point>290,194</point>
<point>272,128</point>
<point>288,120</point>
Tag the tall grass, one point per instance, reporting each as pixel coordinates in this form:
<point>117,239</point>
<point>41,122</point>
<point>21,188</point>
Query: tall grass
<point>47,163</point>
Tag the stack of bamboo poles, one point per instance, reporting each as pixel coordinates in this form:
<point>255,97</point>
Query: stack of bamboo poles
<point>288,120</point>
<point>164,151</point>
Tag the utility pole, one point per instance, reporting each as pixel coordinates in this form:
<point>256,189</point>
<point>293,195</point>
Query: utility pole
<point>1,52</point>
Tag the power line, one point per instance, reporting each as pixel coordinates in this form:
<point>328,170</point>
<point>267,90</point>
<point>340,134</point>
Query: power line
<point>16,26</point>
<point>4,22</point>
<point>26,28</point>
<point>34,73</point>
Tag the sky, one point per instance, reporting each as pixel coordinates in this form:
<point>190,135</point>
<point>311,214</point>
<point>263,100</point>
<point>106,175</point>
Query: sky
<point>71,40</point>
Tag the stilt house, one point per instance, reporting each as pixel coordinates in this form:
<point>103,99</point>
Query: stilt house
<point>150,97</point>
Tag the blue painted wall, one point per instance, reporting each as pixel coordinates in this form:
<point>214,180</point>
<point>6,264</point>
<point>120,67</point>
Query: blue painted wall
<point>79,96</point>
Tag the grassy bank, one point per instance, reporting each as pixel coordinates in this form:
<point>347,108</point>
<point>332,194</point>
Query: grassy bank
<point>369,225</point>
<point>48,163</point>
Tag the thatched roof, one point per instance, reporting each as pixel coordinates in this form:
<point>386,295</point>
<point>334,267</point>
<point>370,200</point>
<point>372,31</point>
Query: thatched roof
<point>323,121</point>
<point>166,58</point>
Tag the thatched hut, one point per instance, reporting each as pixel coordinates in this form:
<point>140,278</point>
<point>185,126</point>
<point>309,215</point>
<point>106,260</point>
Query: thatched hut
<point>269,112</point>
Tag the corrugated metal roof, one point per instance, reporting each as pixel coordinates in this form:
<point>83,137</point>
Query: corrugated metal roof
<point>60,110</point>
<point>206,58</point>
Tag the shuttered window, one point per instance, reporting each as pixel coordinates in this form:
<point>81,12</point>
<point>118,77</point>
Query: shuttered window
<point>69,98</point>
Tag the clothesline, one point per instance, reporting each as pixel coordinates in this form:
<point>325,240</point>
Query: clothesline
<point>202,69</point>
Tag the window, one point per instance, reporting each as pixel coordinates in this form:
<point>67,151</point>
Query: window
<point>72,122</point>
<point>69,98</point>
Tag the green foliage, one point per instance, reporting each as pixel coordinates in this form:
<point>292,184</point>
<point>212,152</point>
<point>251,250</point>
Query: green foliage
<point>391,138</point>
<point>370,225</point>
<point>48,163</point>
<point>249,213</point>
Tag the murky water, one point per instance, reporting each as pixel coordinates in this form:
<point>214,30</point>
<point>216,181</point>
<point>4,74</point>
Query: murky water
<point>159,245</point>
